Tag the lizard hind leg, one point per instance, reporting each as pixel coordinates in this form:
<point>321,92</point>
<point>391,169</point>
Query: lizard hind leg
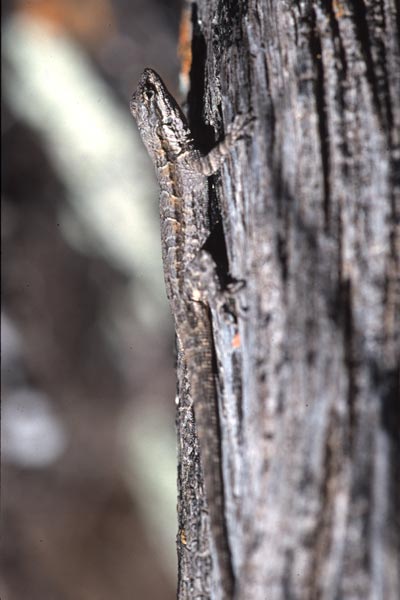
<point>204,286</point>
<point>202,278</point>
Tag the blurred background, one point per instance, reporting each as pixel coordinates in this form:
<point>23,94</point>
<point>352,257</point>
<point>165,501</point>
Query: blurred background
<point>88,481</point>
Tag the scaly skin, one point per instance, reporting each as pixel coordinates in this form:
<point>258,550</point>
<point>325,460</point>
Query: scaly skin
<point>182,174</point>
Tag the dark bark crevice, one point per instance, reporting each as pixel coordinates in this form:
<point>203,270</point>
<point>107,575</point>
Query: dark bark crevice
<point>360,20</point>
<point>349,342</point>
<point>316,54</point>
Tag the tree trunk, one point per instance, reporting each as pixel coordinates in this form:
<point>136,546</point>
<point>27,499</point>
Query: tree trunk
<point>308,373</point>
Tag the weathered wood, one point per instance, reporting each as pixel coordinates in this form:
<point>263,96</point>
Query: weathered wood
<point>310,207</point>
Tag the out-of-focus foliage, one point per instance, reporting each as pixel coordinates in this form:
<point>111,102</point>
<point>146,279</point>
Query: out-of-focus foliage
<point>88,448</point>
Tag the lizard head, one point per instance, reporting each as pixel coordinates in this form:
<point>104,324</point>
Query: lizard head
<point>161,122</point>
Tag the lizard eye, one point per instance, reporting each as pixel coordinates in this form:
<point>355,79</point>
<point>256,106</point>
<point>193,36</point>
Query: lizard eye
<point>168,121</point>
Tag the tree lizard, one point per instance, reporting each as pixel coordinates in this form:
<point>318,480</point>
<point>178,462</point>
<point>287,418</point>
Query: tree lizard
<point>189,274</point>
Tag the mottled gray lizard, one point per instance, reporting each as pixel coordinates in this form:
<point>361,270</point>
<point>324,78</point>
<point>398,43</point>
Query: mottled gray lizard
<point>190,275</point>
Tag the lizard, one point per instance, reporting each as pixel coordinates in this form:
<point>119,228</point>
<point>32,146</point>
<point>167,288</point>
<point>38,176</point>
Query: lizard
<point>189,273</point>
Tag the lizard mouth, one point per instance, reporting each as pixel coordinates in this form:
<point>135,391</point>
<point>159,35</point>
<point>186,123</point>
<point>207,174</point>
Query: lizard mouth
<point>133,105</point>
<point>148,88</point>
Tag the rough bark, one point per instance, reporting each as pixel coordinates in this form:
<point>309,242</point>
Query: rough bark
<point>309,206</point>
